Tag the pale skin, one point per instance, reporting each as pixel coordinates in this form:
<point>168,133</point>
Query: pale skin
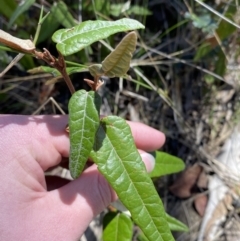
<point>30,145</point>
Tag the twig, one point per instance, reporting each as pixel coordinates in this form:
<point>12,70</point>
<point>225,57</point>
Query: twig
<point>52,100</point>
<point>12,63</point>
<point>61,67</point>
<point>58,64</point>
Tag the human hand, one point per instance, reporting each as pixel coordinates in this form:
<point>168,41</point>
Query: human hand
<point>30,145</point>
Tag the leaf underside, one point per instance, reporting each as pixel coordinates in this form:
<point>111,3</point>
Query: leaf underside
<point>83,123</point>
<point>96,70</point>
<point>22,45</point>
<point>117,63</point>
<point>118,160</point>
<point>74,39</point>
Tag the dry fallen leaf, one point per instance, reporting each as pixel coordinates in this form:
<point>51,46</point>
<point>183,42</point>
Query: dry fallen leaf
<point>184,184</point>
<point>202,182</point>
<point>200,204</point>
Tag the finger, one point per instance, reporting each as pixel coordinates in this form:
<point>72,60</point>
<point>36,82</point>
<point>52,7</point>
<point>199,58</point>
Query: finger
<point>78,202</point>
<point>145,137</point>
<point>148,160</point>
<point>54,182</point>
<point>51,131</point>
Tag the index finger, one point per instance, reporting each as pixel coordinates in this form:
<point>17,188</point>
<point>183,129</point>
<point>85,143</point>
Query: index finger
<point>52,128</point>
<point>146,138</point>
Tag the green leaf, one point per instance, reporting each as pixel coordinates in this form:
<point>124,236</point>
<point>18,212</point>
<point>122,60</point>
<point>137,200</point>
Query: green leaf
<point>225,29</point>
<point>139,10</point>
<point>4,57</point>
<point>50,24</point>
<point>24,6</point>
<point>73,70</point>
<point>62,14</point>
<point>7,8</point>
<point>72,40</point>
<point>55,72</point>
<point>141,237</point>
<point>204,22</point>
<point>220,65</point>
<point>99,8</point>
<point>27,62</point>
<point>120,8</point>
<point>117,9</point>
<point>44,69</point>
<point>59,14</point>
<point>166,164</point>
<point>118,160</point>
<point>84,110</point>
<point>117,227</point>
<point>202,51</point>
<point>176,225</point>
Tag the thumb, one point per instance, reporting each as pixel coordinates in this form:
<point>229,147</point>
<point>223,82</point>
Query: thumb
<point>148,160</point>
<point>78,202</point>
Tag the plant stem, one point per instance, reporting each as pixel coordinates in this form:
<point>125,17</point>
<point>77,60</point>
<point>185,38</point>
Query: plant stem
<point>58,64</point>
<point>96,79</point>
<point>68,81</point>
<point>61,67</point>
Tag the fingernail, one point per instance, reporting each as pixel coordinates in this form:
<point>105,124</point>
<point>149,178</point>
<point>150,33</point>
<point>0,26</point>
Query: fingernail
<point>149,161</point>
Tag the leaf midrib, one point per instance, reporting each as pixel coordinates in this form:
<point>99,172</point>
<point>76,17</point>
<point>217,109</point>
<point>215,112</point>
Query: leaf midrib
<point>80,142</point>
